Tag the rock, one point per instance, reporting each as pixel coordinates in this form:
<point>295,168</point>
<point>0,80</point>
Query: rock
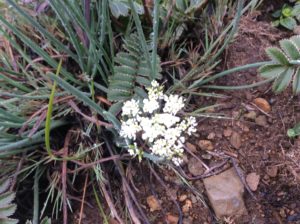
<point>182,197</point>
<point>296,30</point>
<point>211,136</point>
<point>153,203</point>
<point>187,206</point>
<point>172,219</point>
<point>272,171</point>
<point>262,104</point>
<point>251,115</point>
<point>261,120</point>
<point>252,180</point>
<point>191,147</point>
<point>227,132</point>
<point>206,145</point>
<point>225,193</point>
<point>235,140</point>
<point>195,167</point>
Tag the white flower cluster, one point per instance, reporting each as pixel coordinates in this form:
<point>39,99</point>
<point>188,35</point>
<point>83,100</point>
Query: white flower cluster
<point>156,120</point>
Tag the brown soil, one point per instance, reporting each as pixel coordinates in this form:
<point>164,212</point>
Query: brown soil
<point>263,149</point>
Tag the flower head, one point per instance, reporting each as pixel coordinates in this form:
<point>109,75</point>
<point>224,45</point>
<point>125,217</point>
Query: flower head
<point>157,121</point>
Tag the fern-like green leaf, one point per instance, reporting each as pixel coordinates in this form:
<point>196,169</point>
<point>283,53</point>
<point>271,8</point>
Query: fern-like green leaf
<point>277,55</point>
<point>131,71</point>
<point>290,49</point>
<point>284,65</point>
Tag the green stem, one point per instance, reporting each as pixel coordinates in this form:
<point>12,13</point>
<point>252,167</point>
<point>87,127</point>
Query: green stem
<point>49,113</point>
<point>239,87</point>
<point>198,83</point>
<point>155,36</point>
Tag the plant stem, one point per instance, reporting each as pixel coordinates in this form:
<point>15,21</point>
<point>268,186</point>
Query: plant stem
<point>198,83</point>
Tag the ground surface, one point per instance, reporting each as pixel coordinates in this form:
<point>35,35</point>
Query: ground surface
<point>257,141</point>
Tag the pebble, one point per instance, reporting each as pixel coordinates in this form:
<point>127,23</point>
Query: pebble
<point>187,206</point>
<point>211,136</point>
<point>182,197</point>
<point>261,120</point>
<point>252,180</point>
<point>206,145</point>
<point>172,219</point>
<point>227,132</point>
<point>153,204</point>
<point>195,167</point>
<point>251,115</point>
<point>262,104</point>
<point>272,171</point>
<point>235,140</point>
<point>191,147</point>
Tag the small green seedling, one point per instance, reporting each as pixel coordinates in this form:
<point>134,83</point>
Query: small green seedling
<point>295,131</point>
<point>287,16</point>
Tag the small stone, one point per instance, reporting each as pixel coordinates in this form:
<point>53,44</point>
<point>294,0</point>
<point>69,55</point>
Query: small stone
<point>153,203</point>
<point>206,145</point>
<point>191,147</point>
<point>251,115</point>
<point>227,132</point>
<point>182,197</point>
<point>172,219</point>
<point>282,213</point>
<point>272,171</point>
<point>187,206</point>
<point>252,180</point>
<point>262,104</point>
<point>261,120</point>
<point>235,140</point>
<point>225,192</point>
<point>195,167</point>
<point>211,136</point>
<point>206,156</point>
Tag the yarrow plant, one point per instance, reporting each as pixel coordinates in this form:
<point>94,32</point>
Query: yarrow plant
<point>154,125</point>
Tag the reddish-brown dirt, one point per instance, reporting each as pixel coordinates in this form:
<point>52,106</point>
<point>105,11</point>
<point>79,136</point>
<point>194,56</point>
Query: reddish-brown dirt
<point>264,147</point>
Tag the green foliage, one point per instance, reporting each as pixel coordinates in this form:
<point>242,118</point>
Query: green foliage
<point>284,67</point>
<point>294,132</point>
<point>7,208</point>
<point>131,71</point>
<point>121,8</point>
<point>287,16</point>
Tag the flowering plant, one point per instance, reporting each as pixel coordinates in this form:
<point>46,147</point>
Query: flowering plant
<point>155,120</point>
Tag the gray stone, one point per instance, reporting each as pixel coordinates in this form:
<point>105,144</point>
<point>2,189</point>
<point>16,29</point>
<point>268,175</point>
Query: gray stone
<point>195,167</point>
<point>225,192</point>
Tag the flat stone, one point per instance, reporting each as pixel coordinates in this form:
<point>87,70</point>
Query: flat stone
<point>153,203</point>
<point>225,192</point>
<point>206,145</point>
<point>195,167</point>
<point>261,120</point>
<point>262,104</point>
<point>252,180</point>
<point>235,140</point>
<point>272,171</point>
<point>191,147</point>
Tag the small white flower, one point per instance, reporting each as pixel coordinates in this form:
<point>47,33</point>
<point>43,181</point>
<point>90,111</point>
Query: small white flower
<point>131,108</point>
<point>177,161</point>
<point>129,129</point>
<point>174,104</point>
<point>166,119</point>
<point>163,131</point>
<point>150,105</point>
